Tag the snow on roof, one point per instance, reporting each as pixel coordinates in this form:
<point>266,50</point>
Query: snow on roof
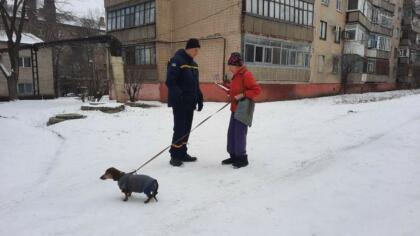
<point>27,38</point>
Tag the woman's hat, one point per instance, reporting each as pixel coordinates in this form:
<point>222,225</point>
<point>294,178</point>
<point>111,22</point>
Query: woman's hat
<point>236,59</point>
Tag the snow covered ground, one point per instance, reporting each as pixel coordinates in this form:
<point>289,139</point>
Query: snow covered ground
<point>328,166</point>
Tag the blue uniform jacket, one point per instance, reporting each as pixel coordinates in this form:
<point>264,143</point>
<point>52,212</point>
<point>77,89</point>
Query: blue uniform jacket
<point>183,82</point>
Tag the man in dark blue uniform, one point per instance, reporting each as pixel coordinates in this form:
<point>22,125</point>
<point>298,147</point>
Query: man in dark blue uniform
<point>184,96</point>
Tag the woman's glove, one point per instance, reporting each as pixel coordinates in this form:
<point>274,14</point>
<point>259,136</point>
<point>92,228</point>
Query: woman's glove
<point>239,97</point>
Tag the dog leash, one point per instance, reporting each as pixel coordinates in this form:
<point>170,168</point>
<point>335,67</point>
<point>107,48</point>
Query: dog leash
<point>198,125</point>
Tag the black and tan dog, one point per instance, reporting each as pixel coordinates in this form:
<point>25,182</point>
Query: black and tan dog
<point>130,183</point>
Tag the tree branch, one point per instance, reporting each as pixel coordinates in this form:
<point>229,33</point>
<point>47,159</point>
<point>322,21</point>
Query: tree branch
<point>22,21</point>
<point>5,17</point>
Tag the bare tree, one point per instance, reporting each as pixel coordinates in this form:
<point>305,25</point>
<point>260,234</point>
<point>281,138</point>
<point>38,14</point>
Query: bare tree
<point>54,13</point>
<point>133,82</point>
<point>95,55</point>
<point>350,63</point>
<point>13,21</point>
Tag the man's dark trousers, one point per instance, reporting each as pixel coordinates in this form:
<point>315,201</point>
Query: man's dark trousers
<point>183,118</point>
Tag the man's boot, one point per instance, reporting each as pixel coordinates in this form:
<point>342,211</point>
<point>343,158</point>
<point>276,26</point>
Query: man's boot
<point>188,158</point>
<point>241,161</point>
<point>175,162</point>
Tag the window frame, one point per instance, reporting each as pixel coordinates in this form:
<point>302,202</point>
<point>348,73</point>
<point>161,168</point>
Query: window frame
<point>323,30</point>
<point>132,16</point>
<point>289,54</point>
<point>291,11</point>
<point>25,62</point>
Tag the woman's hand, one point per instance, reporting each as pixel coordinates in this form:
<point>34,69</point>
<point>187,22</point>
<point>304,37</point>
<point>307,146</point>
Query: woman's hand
<point>239,97</point>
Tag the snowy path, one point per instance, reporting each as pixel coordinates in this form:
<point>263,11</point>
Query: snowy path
<point>327,166</point>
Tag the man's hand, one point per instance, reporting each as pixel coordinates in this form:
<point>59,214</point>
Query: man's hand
<point>200,106</point>
<point>239,97</point>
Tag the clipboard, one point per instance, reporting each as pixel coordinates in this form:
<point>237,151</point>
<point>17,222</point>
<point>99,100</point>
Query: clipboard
<point>222,87</point>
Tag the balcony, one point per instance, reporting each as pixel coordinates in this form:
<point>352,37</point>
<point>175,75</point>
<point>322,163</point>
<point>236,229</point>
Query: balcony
<point>359,78</point>
<point>355,47</point>
<point>374,53</point>
<point>384,4</point>
<point>358,17</point>
<point>262,26</point>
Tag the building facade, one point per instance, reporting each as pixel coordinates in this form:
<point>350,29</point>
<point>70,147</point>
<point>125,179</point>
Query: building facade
<point>409,50</point>
<point>293,47</point>
<point>372,35</point>
<point>35,69</point>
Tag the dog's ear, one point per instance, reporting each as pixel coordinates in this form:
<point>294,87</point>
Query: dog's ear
<point>111,170</point>
<point>115,173</point>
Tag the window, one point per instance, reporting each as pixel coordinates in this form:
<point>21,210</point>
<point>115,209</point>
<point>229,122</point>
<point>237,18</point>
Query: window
<point>25,89</point>
<point>338,5</point>
<point>370,66</point>
<point>375,15</point>
<point>373,41</point>
<point>384,43</point>
<point>404,52</point>
<point>385,19</point>
<point>337,38</point>
<point>267,55</point>
<point>258,54</point>
<point>295,11</point>
<point>249,53</point>
<point>323,30</point>
<point>325,2</point>
<point>140,55</point>
<point>276,56</point>
<point>300,61</point>
<point>356,33</point>
<point>292,57</point>
<point>353,5</point>
<point>24,62</point>
<point>321,62</point>
<point>274,52</point>
<point>336,65</point>
<point>367,9</point>
<point>132,16</point>
<point>284,57</point>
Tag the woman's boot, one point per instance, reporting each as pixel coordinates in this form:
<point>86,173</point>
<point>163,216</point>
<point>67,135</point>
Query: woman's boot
<point>241,161</point>
<point>229,161</point>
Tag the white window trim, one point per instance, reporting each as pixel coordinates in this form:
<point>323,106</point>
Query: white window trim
<point>305,54</point>
<point>339,5</point>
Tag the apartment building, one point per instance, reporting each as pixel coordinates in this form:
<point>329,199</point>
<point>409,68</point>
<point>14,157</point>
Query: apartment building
<point>330,21</point>
<point>293,47</point>
<point>372,35</point>
<point>409,50</point>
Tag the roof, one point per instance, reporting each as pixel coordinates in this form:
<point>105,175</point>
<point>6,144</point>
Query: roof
<point>27,38</point>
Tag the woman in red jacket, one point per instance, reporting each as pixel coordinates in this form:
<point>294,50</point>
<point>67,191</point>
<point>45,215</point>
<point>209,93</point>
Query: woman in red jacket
<point>243,85</point>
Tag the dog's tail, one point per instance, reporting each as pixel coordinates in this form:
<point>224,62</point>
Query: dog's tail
<point>156,190</point>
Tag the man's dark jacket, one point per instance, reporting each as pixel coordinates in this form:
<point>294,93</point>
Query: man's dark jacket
<point>183,82</point>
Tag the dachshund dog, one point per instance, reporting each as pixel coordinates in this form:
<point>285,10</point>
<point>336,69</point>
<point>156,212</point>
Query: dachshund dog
<point>130,183</point>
